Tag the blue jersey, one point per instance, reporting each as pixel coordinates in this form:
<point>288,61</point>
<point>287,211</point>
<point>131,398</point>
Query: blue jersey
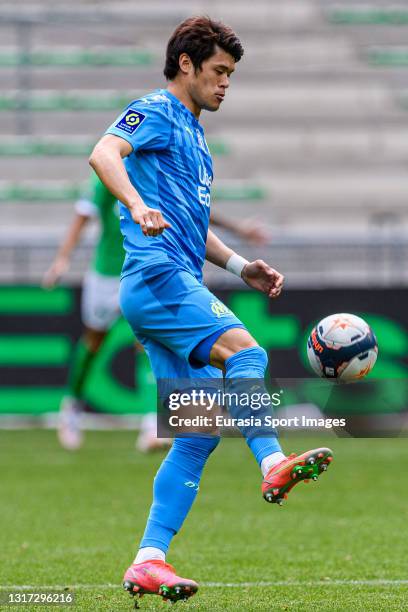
<point>171,168</point>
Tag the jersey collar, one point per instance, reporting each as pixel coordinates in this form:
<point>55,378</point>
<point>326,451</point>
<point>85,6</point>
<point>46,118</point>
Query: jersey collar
<point>187,112</point>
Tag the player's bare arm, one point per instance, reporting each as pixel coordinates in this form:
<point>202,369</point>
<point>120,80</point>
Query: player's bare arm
<point>257,274</point>
<point>61,263</point>
<point>107,161</point>
<point>249,229</point>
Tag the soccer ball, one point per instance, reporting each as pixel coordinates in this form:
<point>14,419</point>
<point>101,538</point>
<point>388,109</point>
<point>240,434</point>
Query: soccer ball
<point>342,346</point>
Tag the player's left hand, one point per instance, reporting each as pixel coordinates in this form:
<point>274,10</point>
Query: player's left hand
<point>258,275</point>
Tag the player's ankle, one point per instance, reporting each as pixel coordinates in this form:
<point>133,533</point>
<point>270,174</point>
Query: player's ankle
<point>148,553</point>
<point>270,460</point>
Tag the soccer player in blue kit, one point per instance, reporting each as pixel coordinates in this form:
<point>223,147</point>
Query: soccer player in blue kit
<point>155,160</point>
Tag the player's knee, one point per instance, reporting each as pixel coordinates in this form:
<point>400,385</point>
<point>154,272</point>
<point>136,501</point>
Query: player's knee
<point>249,362</point>
<point>229,343</point>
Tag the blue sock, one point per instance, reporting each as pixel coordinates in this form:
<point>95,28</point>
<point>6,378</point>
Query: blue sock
<point>251,363</point>
<point>175,488</point>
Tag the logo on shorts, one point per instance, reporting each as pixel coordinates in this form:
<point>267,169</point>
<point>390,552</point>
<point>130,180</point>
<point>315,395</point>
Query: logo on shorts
<point>219,309</point>
<point>131,121</point>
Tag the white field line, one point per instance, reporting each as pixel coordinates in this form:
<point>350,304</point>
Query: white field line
<point>277,583</point>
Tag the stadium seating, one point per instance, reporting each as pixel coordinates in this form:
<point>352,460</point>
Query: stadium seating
<point>312,136</point>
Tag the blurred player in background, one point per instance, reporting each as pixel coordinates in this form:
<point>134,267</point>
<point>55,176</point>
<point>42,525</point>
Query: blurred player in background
<point>100,302</point>
<point>154,158</point>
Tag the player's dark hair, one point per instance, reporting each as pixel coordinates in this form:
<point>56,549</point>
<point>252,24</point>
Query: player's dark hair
<point>198,36</point>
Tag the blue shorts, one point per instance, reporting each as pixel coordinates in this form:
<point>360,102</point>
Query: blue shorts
<point>171,312</point>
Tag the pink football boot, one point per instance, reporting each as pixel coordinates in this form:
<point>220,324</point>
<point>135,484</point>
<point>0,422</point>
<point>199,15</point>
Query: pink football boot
<point>283,476</point>
<point>157,578</point>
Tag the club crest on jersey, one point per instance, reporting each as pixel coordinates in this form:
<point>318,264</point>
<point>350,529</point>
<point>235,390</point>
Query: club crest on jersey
<point>131,121</point>
<point>219,309</point>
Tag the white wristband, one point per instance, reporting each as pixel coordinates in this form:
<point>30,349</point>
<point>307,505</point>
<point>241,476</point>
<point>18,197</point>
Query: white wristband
<point>236,264</point>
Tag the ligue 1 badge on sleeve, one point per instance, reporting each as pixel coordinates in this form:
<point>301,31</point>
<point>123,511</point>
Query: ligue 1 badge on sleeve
<point>131,121</point>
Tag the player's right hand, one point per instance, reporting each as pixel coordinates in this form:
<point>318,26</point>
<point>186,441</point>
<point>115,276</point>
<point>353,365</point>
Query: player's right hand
<point>150,220</point>
<point>54,272</point>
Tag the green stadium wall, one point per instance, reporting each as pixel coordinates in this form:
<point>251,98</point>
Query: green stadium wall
<point>38,329</point>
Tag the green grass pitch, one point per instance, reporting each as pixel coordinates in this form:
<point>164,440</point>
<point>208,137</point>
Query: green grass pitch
<point>75,519</point>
